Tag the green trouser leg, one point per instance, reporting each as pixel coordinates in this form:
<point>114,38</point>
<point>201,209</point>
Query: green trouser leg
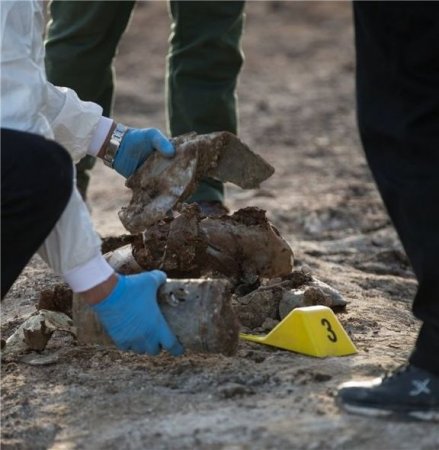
<point>80,47</point>
<point>203,65</point>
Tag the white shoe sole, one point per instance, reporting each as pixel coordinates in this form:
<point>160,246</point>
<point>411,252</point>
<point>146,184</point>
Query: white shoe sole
<point>430,416</point>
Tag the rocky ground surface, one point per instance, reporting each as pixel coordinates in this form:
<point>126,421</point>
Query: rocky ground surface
<point>297,110</point>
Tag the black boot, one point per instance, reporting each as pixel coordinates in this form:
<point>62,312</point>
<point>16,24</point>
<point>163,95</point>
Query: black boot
<point>408,392</point>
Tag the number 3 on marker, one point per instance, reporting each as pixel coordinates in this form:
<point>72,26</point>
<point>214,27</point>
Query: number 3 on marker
<point>331,334</point>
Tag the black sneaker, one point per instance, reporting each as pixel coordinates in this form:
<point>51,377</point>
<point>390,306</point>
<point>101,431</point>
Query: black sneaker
<point>408,393</point>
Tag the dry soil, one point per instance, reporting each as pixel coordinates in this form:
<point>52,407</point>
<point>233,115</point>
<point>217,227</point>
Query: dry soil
<point>296,97</point>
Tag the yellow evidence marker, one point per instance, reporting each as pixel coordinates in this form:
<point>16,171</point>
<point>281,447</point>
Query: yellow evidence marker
<point>311,330</point>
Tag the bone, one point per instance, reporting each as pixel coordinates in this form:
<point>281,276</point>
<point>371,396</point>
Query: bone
<point>199,312</point>
<point>122,260</point>
<point>161,184</point>
<point>243,247</point>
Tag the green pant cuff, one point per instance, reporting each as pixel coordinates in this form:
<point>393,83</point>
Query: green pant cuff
<point>209,190</point>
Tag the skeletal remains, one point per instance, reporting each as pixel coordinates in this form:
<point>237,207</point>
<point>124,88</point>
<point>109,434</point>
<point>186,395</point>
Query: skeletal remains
<point>220,267</point>
<point>161,184</point>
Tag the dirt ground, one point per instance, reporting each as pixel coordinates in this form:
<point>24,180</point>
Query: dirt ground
<point>296,97</point>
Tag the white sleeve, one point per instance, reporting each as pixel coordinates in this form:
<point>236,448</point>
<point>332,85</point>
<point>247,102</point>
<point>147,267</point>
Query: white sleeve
<point>73,248</point>
<point>74,122</point>
<point>28,101</point>
<point>23,80</point>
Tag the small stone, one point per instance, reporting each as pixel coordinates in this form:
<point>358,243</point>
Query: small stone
<point>35,359</point>
<point>269,324</point>
<point>232,390</point>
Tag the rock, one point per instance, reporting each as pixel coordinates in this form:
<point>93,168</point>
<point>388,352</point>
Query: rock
<point>315,292</point>
<point>254,308</point>
<point>58,298</point>
<point>265,305</point>
<point>36,331</point>
<point>36,359</point>
<point>232,390</point>
<point>269,324</point>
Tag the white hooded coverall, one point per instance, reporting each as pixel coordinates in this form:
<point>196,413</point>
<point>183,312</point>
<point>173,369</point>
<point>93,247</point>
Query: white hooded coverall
<point>30,103</point>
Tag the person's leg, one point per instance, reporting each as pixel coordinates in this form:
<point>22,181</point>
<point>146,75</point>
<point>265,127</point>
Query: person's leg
<point>204,61</point>
<point>398,111</point>
<point>36,184</point>
<point>81,44</point>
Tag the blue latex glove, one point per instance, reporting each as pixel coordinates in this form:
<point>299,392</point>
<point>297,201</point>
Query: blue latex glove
<point>136,146</point>
<point>132,318</point>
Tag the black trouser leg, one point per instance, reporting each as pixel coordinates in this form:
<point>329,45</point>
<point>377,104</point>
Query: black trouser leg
<point>397,47</point>
<point>36,184</point>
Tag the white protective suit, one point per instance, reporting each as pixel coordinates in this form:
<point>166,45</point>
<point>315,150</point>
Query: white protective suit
<point>30,103</point>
